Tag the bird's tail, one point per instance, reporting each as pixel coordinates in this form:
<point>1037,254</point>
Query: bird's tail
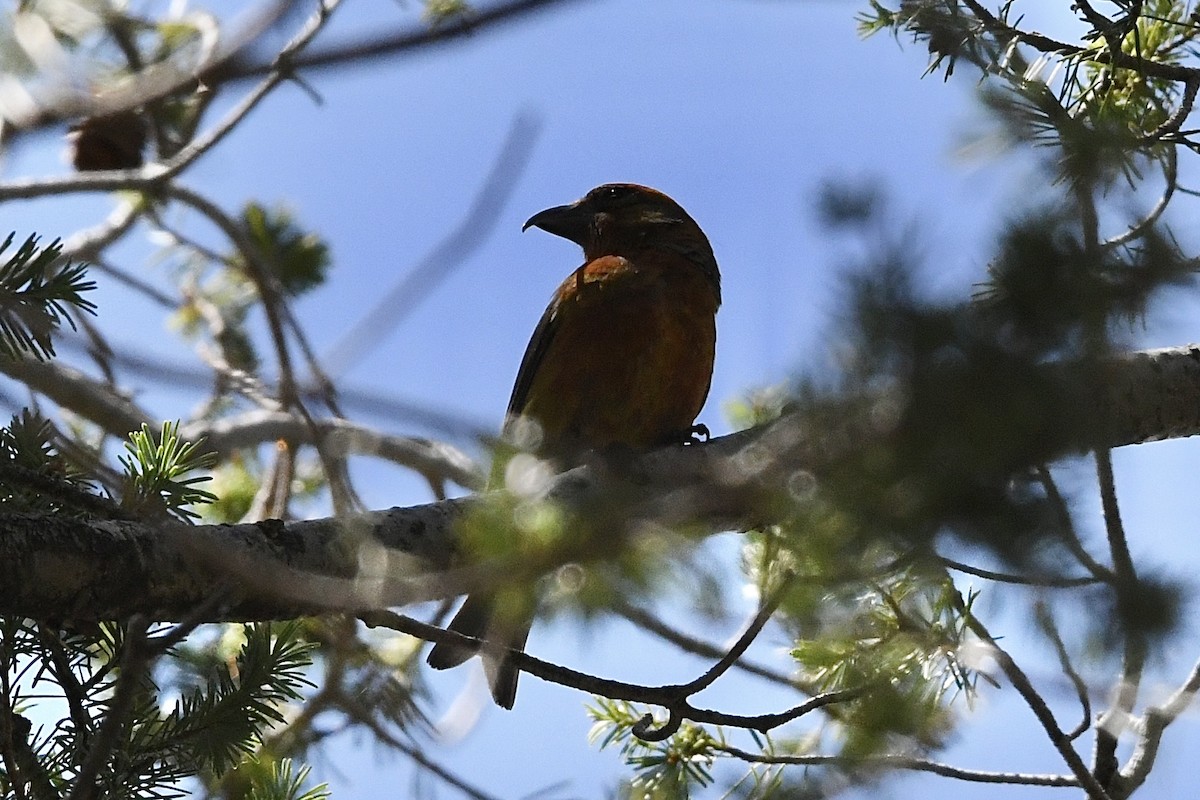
<point>477,619</point>
<point>472,620</point>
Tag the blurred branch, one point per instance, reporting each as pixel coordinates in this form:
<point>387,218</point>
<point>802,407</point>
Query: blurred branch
<point>149,83</point>
<point>60,383</point>
<point>451,252</point>
<point>340,436</point>
<point>901,761</point>
<point>153,175</point>
<point>88,244</point>
<point>1066,524</point>
<point>1115,719</point>
<point>1046,622</point>
<point>1046,581</point>
<point>96,401</point>
<point>90,398</point>
<point>1154,723</point>
<point>281,69</point>
<point>471,22</point>
<point>234,62</point>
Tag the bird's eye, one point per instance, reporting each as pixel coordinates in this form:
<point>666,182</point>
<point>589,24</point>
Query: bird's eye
<point>613,194</point>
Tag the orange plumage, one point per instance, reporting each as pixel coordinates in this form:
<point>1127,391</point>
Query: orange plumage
<point>622,356</point>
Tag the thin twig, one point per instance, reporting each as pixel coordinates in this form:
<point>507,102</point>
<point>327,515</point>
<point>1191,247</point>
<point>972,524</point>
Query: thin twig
<point>1046,623</point>
<point>649,622</point>
<point>1037,704</point>
<point>901,761</point>
<point>397,43</point>
<point>1114,720</point>
<point>1045,44</point>
<point>672,697</point>
<point>765,612</point>
<point>87,244</point>
<point>281,69</point>
<point>1046,581</point>
<point>152,175</point>
<point>1170,173</point>
<point>1066,525</point>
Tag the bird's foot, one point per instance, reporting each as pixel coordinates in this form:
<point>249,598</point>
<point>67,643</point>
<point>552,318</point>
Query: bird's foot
<point>697,434</point>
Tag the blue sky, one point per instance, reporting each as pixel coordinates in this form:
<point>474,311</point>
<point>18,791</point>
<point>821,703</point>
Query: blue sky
<point>739,109</point>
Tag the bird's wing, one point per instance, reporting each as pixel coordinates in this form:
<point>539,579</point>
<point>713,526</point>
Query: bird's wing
<point>539,343</point>
<point>543,335</point>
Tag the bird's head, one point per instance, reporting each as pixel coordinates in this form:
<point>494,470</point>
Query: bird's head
<point>625,219</point>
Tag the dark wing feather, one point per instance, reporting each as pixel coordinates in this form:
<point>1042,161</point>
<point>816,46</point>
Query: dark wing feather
<point>539,343</point>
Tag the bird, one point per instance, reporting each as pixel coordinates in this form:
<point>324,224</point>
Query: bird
<point>622,359</point>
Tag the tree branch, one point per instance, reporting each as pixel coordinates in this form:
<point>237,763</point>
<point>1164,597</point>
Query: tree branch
<point>62,566</point>
<point>1154,723</point>
<point>232,63</point>
<point>1037,704</point>
<point>901,761</point>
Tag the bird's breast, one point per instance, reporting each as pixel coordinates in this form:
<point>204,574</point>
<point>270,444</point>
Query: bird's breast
<point>631,358</point>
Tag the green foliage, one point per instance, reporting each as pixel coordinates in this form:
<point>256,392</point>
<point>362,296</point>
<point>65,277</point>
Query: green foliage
<point>299,259</point>
<point>235,484</point>
<point>957,394</point>
<point>1050,296</point>
<point>943,25</point>
<point>154,470</point>
<point>223,289</point>
<point>664,770</point>
<point>1103,121</point>
<point>35,298</point>
<point>212,725</point>
<point>445,10</point>
<point>34,477</point>
<point>282,784</point>
<point>900,640</point>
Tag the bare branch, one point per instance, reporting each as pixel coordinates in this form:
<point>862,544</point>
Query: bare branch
<point>765,611</point>
<point>1046,623</point>
<point>1037,704</point>
<point>1047,581</point>
<point>1067,526</point>
<point>648,622</point>
<point>342,438</point>
<point>901,761</point>
<point>1154,723</point>
<point>1113,721</point>
<point>672,697</point>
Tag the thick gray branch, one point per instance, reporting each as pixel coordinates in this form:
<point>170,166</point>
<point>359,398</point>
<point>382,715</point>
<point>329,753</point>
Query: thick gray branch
<point>63,568</point>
